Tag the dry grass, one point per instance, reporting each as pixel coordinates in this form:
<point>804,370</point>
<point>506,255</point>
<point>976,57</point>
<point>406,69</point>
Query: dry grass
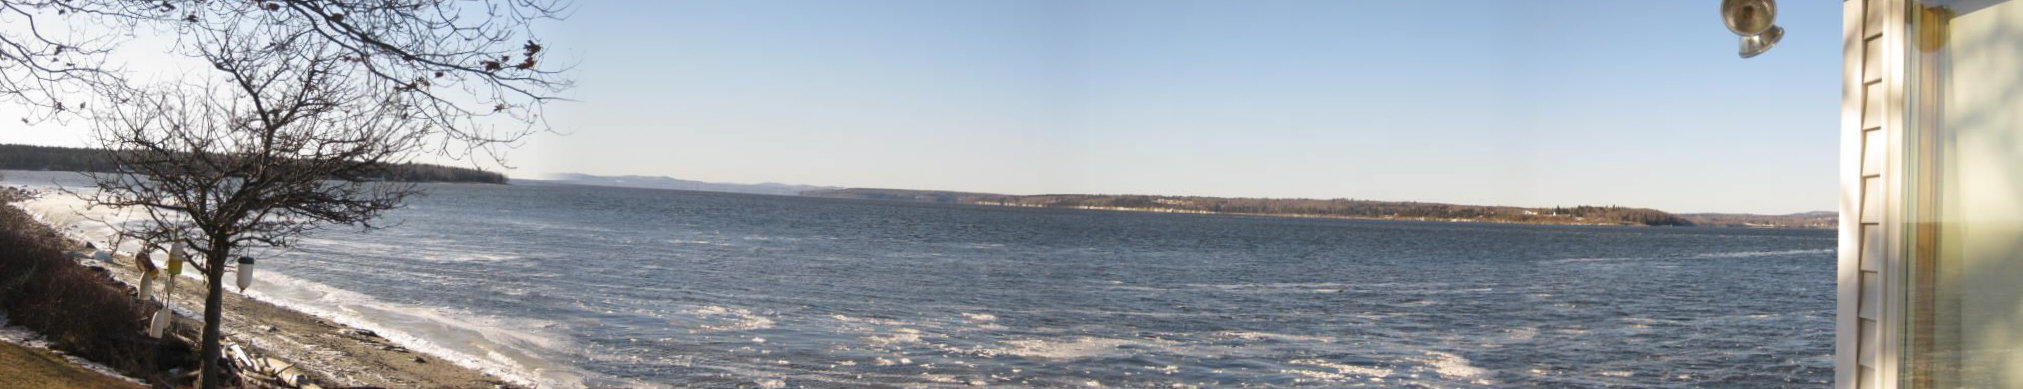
<point>29,368</point>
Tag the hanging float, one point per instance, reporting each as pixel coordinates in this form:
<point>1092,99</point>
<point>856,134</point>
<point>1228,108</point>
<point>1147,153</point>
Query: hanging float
<point>245,273</point>
<point>144,261</point>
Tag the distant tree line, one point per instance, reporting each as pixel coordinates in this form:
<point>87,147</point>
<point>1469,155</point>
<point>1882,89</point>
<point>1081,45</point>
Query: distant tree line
<point>416,172</point>
<point>27,157</point>
<point>1349,208</point>
<point>1795,220</point>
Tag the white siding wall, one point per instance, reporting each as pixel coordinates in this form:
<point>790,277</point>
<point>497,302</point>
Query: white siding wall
<point>1871,265</point>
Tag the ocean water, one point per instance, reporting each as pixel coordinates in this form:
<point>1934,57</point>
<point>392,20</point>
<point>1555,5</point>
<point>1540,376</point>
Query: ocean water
<point>570,286</point>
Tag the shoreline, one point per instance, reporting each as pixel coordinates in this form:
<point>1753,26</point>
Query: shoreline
<point>326,351</point>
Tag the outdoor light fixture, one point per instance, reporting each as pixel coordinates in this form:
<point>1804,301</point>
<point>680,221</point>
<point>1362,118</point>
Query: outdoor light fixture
<point>245,273</point>
<point>1754,21</point>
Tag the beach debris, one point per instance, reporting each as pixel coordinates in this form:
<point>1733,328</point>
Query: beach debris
<point>269,369</point>
<point>420,360</point>
<point>238,355</point>
<point>270,328</point>
<point>363,332</point>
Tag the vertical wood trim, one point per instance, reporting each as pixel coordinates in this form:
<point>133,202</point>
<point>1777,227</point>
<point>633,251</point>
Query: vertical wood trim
<point>1923,169</point>
<point>1846,332</point>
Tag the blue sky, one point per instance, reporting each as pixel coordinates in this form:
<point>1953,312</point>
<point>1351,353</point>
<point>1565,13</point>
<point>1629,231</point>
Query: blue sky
<point>1635,103</point>
<point>1540,103</point>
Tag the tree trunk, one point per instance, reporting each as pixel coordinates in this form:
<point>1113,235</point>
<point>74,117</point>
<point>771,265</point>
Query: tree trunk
<point>214,311</point>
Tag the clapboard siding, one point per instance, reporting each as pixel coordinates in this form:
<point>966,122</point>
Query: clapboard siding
<point>1871,130</point>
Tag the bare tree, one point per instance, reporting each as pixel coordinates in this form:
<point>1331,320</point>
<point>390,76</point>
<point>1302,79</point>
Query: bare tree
<point>472,68</point>
<point>45,59</point>
<point>288,143</point>
<point>311,103</point>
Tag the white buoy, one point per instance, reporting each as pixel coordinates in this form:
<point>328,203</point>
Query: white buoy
<point>144,262</point>
<point>245,273</point>
<point>147,285</point>
<point>160,323</point>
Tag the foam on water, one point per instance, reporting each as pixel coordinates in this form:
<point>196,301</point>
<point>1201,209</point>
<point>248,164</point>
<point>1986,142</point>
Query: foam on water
<point>1337,373</point>
<point>720,319</point>
<point>1069,349</point>
<point>1455,367</point>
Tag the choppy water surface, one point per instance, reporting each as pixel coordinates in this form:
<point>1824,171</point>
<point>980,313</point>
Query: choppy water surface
<point>581,286</point>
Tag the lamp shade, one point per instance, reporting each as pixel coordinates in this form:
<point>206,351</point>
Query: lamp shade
<point>1755,22</point>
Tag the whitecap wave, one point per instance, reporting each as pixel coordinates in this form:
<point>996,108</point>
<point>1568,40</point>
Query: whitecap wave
<point>1070,349</point>
<point>1456,368</point>
<point>716,318</point>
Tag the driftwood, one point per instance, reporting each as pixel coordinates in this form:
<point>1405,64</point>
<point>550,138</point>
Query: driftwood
<point>256,371</point>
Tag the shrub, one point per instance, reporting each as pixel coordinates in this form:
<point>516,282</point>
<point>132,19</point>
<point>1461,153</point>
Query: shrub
<point>79,309</point>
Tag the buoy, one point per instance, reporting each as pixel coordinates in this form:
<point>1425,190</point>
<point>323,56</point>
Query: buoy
<point>176,259</point>
<point>175,269</point>
<point>144,262</point>
<point>161,323</point>
<point>147,284</point>
<point>245,273</point>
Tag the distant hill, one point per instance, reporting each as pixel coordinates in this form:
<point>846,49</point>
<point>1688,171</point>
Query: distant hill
<point>1820,219</point>
<point>650,182</point>
<point>26,157</point>
<point>1342,208</point>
